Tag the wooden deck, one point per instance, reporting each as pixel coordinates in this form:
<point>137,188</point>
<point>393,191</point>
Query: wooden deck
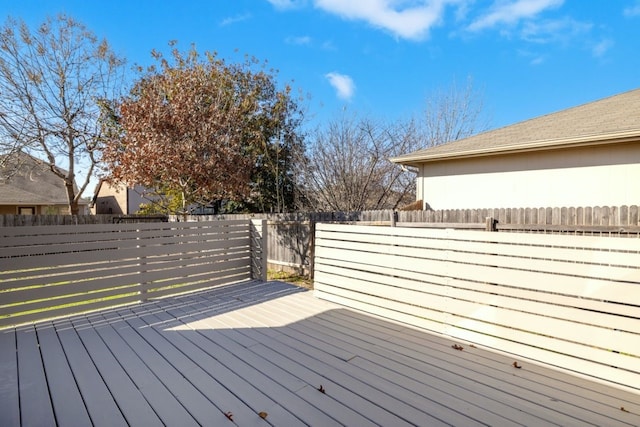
<point>255,347</point>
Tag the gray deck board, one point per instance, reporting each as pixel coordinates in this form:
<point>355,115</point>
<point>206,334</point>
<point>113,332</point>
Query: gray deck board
<point>341,403</point>
<point>272,378</point>
<point>257,377</point>
<point>9,397</point>
<point>65,396</point>
<point>164,404</point>
<point>130,400</point>
<point>267,347</point>
<point>409,374</point>
<point>405,403</point>
<point>253,391</point>
<point>100,404</point>
<point>35,406</point>
<point>567,393</point>
<point>188,382</point>
<point>509,401</point>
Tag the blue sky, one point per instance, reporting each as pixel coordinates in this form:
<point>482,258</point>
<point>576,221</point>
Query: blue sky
<point>383,58</point>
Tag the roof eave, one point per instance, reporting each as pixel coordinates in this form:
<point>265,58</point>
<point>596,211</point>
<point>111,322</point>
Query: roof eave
<point>583,141</point>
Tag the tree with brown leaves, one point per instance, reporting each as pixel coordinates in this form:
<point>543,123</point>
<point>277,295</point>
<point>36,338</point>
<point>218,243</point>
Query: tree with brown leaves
<point>195,126</point>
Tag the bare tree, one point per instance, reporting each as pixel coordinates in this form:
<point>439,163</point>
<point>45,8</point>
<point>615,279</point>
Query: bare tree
<point>347,166</point>
<point>451,114</point>
<point>52,80</point>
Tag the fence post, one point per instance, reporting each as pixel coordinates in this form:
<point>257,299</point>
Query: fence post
<point>142,268</point>
<point>312,248</point>
<point>394,218</point>
<point>490,223</point>
<point>258,232</point>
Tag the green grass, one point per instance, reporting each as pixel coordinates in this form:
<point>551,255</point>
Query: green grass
<point>293,278</point>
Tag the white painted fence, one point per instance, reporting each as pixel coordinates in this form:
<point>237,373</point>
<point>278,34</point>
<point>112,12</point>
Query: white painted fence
<point>572,302</point>
<point>50,271</point>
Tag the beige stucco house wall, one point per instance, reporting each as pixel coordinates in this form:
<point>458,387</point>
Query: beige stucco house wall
<point>584,156</point>
<point>117,199</point>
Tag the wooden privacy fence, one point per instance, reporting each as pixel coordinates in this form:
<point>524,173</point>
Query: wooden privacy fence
<point>51,271</point>
<point>289,245</point>
<point>39,220</point>
<point>621,221</point>
<point>572,302</point>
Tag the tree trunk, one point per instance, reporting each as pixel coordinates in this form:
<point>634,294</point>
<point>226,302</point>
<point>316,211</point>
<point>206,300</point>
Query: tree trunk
<point>184,205</point>
<point>74,209</point>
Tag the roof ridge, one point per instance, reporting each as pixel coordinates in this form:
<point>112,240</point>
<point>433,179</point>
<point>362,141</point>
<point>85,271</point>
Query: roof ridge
<point>600,119</point>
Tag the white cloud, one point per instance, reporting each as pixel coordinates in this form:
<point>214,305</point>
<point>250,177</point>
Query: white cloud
<point>234,19</point>
<point>300,40</point>
<point>537,60</point>
<point>328,45</point>
<point>601,48</point>
<point>511,12</point>
<point>527,20</point>
<point>534,58</point>
<point>287,4</point>
<point>343,84</point>
<point>412,21</point>
<point>632,11</point>
<point>558,30</point>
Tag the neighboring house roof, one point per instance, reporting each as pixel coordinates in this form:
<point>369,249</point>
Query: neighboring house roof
<point>31,183</point>
<point>610,120</point>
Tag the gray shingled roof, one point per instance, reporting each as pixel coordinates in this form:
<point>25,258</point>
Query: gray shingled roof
<point>34,183</point>
<point>609,120</point>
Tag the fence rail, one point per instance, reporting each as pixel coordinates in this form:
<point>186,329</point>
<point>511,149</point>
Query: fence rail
<point>50,271</point>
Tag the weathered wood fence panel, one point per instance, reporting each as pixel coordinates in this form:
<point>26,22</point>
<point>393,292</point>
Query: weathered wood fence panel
<point>612,216</point>
<point>38,220</point>
<point>289,245</point>
<point>572,302</point>
<point>51,271</point>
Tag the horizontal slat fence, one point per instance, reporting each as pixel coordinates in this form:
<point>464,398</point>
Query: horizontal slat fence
<point>50,271</point>
<point>572,302</point>
<point>290,245</point>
